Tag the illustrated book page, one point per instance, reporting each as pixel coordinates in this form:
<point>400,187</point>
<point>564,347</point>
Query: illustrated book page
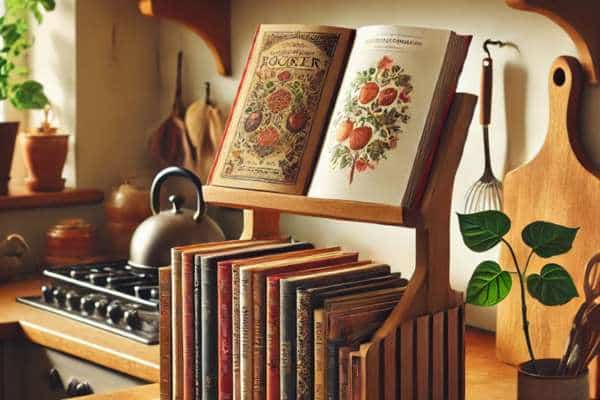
<point>396,91</point>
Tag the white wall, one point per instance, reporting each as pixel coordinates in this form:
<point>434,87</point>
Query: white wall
<point>519,108</point>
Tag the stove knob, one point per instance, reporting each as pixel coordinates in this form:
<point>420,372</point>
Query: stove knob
<point>87,304</point>
<point>114,312</point>
<point>132,319</point>
<point>47,295</point>
<point>73,300</point>
<point>59,296</point>
<point>100,305</point>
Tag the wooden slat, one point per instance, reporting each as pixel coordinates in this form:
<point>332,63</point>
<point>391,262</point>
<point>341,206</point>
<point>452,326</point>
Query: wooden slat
<point>423,366</point>
<point>302,205</point>
<point>407,357</point>
<point>454,358</point>
<point>20,198</point>
<point>390,389</point>
<point>438,347</point>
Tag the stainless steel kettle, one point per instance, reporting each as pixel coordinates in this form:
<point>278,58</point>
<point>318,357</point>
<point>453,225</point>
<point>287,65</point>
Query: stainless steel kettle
<point>152,241</point>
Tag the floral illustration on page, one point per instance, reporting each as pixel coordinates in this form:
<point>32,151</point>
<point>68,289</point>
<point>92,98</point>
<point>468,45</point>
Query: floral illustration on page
<point>375,110</point>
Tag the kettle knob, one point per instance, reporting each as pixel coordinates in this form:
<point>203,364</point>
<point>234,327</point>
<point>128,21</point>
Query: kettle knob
<point>162,176</point>
<point>176,202</point>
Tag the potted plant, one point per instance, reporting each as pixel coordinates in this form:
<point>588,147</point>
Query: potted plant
<point>553,286</point>
<point>15,32</point>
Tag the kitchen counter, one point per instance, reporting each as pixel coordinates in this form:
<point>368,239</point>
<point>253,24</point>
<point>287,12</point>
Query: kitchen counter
<point>486,377</point>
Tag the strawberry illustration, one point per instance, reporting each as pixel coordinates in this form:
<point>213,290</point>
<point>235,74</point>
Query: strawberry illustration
<point>368,92</point>
<point>359,137</point>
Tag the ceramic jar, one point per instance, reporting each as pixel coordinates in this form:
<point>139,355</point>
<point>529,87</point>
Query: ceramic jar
<point>543,384</point>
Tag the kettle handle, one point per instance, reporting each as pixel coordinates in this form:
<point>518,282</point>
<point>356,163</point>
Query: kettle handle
<point>162,176</point>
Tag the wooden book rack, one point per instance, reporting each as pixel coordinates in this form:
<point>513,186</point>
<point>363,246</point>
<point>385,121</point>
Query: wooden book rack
<point>418,353</point>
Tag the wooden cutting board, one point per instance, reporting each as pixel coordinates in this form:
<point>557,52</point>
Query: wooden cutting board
<point>559,185</point>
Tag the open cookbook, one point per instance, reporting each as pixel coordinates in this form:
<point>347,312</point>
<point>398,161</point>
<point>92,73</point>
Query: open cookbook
<point>357,114</point>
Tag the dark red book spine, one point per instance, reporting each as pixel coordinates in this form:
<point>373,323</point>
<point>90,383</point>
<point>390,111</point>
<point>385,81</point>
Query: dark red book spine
<point>224,304</point>
<point>273,338</point>
<point>187,312</point>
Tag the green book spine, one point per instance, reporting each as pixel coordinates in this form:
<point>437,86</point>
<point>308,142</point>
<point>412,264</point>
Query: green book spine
<point>287,351</point>
<point>208,273</point>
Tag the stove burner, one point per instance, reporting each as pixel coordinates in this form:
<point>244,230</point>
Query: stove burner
<point>112,296</point>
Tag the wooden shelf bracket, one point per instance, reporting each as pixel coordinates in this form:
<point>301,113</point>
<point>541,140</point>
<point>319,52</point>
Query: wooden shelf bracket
<point>579,18</point>
<point>211,20</point>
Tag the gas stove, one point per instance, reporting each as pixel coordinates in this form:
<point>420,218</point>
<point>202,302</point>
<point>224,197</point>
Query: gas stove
<point>112,296</point>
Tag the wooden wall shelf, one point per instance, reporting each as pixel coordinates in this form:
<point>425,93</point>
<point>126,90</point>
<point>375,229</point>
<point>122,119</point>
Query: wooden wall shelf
<point>211,20</point>
<point>20,198</point>
<point>579,18</point>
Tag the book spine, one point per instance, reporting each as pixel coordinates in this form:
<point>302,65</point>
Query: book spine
<point>177,346</point>
<point>187,313</point>
<point>354,372</point>
<point>319,340</point>
<point>225,391</point>
<point>209,338</point>
<point>344,363</point>
<point>287,333</point>
<point>164,283</point>
<point>197,331</point>
<point>332,377</point>
<point>304,346</point>
<point>245,335</point>
<point>258,337</point>
<point>272,339</point>
<point>235,331</point>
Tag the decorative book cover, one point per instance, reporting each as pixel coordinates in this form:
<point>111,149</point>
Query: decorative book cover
<point>224,306</point>
<point>273,324</point>
<point>280,111</point>
<point>309,299</point>
<point>397,89</point>
<point>184,310</point>
<point>206,268</point>
<point>288,315</point>
<point>252,307</point>
<point>164,290</point>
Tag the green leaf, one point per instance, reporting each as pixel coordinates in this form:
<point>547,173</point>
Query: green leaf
<point>482,231</point>
<point>489,285</point>
<point>553,287</point>
<point>29,95</point>
<point>547,239</point>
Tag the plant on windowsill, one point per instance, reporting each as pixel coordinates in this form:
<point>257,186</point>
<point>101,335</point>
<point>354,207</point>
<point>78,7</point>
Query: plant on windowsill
<point>15,86</point>
<point>553,286</point>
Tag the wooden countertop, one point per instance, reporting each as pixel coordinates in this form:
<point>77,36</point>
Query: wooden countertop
<point>486,377</point>
<point>71,337</point>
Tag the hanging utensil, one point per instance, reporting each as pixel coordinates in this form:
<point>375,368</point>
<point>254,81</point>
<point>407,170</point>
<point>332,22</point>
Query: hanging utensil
<point>204,123</point>
<point>486,193</point>
<point>170,144</point>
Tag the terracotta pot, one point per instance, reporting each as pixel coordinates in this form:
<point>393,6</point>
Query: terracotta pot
<point>543,384</point>
<point>8,135</point>
<point>71,238</point>
<point>45,157</point>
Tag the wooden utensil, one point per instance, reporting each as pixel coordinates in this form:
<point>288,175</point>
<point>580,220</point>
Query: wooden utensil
<point>170,144</point>
<point>558,185</point>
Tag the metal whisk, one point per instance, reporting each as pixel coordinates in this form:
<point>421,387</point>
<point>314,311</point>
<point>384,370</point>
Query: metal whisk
<point>486,193</point>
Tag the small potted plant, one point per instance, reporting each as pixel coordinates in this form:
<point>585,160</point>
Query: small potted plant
<point>24,94</point>
<point>553,286</point>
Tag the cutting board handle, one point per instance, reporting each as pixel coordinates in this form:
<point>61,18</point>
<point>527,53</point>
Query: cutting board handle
<point>565,84</point>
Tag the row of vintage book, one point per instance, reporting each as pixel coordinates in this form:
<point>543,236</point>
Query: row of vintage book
<point>268,319</point>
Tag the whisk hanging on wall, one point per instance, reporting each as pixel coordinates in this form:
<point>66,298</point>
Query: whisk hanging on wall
<point>486,193</point>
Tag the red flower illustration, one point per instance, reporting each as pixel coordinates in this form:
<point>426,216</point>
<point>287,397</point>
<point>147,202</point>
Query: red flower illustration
<point>268,137</point>
<point>362,165</point>
<point>279,100</point>
<point>284,76</point>
<point>404,97</point>
<point>385,63</point>
<point>393,142</point>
